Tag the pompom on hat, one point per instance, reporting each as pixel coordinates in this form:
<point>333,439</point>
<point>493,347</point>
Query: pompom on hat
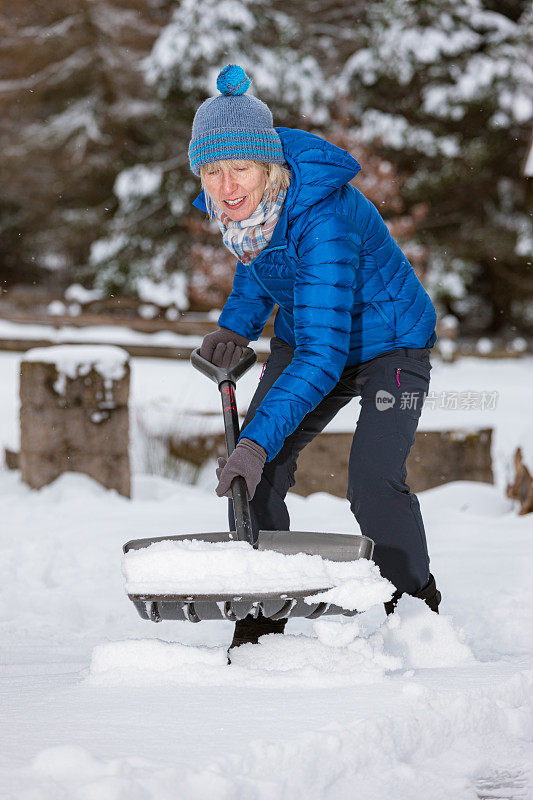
<point>233,125</point>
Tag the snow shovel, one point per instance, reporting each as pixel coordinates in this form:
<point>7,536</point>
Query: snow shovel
<point>274,605</point>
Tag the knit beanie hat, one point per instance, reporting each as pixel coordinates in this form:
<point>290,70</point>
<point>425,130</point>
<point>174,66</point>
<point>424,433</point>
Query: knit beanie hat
<point>233,125</point>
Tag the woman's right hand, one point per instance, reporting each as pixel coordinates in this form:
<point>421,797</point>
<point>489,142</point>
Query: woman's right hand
<point>223,347</point>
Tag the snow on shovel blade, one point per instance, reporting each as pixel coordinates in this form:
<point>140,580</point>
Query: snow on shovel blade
<point>195,607</point>
<point>331,546</point>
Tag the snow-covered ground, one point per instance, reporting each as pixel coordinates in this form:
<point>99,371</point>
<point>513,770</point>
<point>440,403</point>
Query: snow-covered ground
<point>99,704</point>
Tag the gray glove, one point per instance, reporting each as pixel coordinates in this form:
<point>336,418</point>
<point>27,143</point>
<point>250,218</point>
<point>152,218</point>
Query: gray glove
<point>223,347</point>
<point>248,460</point>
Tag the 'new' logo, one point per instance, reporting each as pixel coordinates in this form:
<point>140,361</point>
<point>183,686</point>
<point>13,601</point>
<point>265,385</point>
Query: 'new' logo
<point>384,400</point>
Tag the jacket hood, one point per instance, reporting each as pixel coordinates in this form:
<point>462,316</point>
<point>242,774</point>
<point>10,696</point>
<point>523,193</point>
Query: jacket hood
<point>318,168</point>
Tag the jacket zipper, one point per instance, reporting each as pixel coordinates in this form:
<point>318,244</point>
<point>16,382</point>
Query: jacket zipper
<point>382,314</point>
<point>260,282</point>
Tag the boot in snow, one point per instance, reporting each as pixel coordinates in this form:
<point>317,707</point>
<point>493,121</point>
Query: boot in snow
<point>249,629</point>
<point>429,594</point>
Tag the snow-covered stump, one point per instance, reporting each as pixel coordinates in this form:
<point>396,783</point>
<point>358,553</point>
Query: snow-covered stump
<point>74,415</point>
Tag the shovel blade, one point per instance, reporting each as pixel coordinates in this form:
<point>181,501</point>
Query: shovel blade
<point>274,605</point>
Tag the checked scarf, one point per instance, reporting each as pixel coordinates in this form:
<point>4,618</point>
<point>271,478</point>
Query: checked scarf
<point>246,238</point>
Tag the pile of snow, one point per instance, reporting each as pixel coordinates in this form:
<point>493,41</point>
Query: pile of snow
<point>412,638</point>
<point>199,567</point>
<point>154,661</point>
<point>75,360</point>
<point>293,659</point>
<point>422,639</point>
<point>337,654</point>
<point>277,660</point>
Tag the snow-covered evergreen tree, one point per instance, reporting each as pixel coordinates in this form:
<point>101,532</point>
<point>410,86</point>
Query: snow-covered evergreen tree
<point>151,231</point>
<point>73,113</point>
<point>444,88</point>
<point>441,89</point>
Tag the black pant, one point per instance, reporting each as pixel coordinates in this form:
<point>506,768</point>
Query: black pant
<point>392,389</point>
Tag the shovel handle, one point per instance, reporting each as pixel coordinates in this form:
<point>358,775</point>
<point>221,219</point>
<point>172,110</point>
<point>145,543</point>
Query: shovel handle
<point>241,506</point>
<point>226,380</point>
<point>221,374</point>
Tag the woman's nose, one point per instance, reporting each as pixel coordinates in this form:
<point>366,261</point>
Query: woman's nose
<point>228,183</point>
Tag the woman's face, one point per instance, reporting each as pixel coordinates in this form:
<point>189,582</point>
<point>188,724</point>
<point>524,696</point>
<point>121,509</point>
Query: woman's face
<point>241,181</point>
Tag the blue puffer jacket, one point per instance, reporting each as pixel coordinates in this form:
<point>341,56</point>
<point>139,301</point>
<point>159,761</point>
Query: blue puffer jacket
<point>346,292</point>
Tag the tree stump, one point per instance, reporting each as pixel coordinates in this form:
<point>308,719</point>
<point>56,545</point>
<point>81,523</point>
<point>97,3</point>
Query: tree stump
<point>74,415</point>
<point>436,457</point>
<point>439,457</point>
<point>522,487</point>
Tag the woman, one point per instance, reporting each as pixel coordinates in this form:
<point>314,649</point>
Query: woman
<point>353,320</point>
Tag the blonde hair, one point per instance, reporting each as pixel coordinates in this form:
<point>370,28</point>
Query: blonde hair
<point>277,177</point>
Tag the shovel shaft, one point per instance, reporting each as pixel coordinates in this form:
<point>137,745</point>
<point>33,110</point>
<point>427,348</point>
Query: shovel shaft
<point>241,507</point>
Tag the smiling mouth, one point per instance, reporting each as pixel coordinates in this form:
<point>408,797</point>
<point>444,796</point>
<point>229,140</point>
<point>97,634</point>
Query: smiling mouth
<point>235,203</point>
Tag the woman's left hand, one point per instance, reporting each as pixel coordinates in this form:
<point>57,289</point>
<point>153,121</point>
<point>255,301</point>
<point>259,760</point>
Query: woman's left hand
<point>247,460</point>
